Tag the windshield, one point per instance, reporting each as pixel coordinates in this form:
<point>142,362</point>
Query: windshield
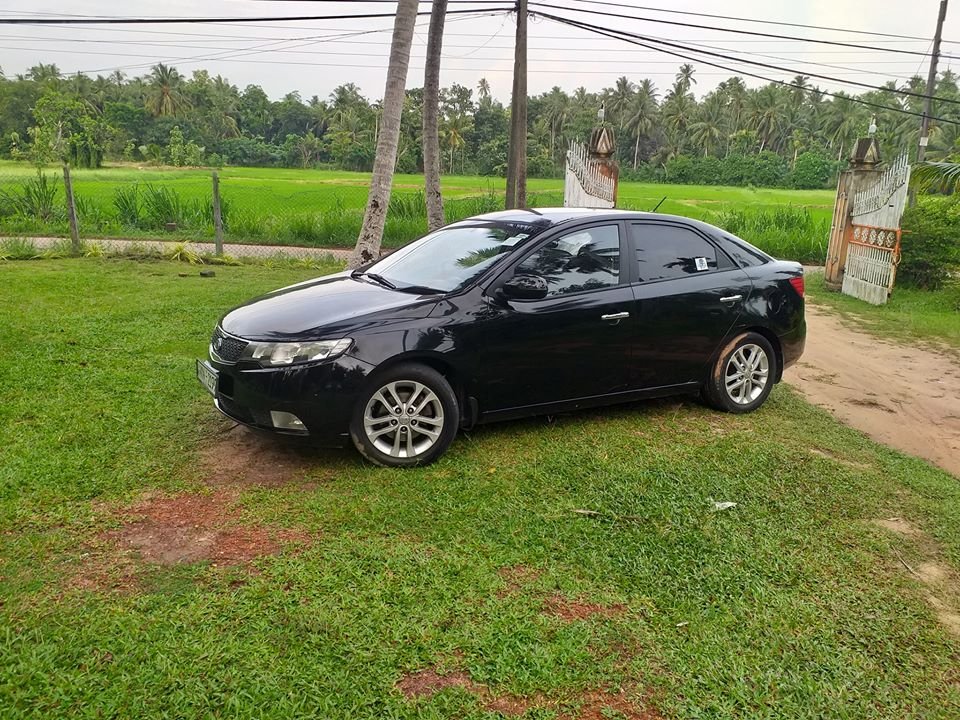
<point>451,258</point>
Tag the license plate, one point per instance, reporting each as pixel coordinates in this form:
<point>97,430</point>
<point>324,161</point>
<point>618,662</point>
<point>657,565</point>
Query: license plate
<point>207,377</point>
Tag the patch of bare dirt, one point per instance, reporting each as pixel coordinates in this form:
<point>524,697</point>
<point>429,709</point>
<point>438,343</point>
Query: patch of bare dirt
<point>178,529</point>
<point>599,704</point>
<point>901,395</point>
<point>570,610</point>
<point>899,525</point>
<point>602,704</point>
<point>428,682</point>
<point>242,457</point>
<point>843,461</point>
<point>425,683</point>
<point>516,578</point>
<point>941,584</point>
<point>193,527</point>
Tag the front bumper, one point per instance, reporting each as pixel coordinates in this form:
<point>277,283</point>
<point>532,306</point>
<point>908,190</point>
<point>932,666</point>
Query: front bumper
<point>322,395</point>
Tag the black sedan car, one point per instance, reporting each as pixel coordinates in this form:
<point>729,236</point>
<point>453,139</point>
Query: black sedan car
<point>504,315</point>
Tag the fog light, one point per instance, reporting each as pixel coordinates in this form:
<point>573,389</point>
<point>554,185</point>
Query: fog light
<point>286,421</point>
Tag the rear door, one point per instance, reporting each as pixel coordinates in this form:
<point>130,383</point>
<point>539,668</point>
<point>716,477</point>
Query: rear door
<point>688,294</point>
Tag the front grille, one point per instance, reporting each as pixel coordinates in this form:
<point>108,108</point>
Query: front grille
<point>226,347</point>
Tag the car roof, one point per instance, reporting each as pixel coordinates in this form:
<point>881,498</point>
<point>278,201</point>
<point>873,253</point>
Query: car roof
<point>549,217</point>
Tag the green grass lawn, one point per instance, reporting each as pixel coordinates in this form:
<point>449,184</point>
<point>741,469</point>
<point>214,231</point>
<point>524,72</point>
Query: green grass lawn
<point>325,208</point>
<point>910,314</point>
<point>793,604</point>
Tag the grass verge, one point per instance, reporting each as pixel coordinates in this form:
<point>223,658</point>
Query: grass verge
<point>931,316</point>
<point>483,569</point>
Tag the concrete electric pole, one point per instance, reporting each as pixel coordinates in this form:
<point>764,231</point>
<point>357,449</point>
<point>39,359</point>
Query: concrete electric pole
<point>931,83</point>
<point>517,160</point>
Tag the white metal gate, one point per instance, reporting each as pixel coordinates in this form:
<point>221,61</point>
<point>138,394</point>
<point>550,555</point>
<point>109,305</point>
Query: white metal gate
<point>874,235</point>
<point>585,185</point>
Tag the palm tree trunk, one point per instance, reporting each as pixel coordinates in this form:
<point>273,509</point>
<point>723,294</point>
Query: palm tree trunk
<point>375,216</point>
<point>431,114</point>
<point>636,150</point>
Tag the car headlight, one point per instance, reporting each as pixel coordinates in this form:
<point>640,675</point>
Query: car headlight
<point>277,354</point>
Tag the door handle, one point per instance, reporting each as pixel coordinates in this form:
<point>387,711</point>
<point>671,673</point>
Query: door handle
<point>731,298</point>
<point>615,317</point>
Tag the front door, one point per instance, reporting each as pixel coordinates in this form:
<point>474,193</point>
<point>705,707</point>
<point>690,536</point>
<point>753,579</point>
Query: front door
<point>575,342</point>
<point>689,294</point>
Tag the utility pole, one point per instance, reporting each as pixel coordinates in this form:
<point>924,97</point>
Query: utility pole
<point>517,161</point>
<point>931,82</point>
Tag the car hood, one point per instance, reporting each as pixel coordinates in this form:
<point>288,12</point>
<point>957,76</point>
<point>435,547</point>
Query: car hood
<point>319,308</point>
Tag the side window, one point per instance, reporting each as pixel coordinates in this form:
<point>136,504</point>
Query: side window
<point>670,251</point>
<point>585,260</point>
<point>741,252</point>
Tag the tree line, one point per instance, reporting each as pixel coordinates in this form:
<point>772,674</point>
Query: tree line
<point>766,136</point>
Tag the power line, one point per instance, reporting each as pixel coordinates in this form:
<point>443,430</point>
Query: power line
<point>232,54</point>
<point>339,53</point>
<point>821,41</point>
<point>757,63</point>
<point>601,31</point>
<point>750,20</point>
<point>208,20</point>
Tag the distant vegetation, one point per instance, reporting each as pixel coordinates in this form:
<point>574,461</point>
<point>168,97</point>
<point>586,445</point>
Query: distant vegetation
<point>771,136</point>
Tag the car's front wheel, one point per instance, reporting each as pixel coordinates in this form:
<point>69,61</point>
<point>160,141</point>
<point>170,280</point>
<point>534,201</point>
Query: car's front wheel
<point>742,377</point>
<point>407,416</point>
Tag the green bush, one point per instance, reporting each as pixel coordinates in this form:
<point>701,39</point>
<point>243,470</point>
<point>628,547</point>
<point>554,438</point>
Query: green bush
<point>930,247</point>
<point>162,206</point>
<point>812,170</point>
<point>35,198</point>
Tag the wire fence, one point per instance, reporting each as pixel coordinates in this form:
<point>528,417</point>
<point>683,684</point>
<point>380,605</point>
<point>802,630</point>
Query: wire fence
<point>246,214</point>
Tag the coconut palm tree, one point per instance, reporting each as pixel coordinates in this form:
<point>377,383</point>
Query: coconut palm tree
<point>483,90</point>
<point>559,109</point>
<point>431,112</point>
<point>685,79</point>
<point>708,130</point>
<point>766,111</point>
<point>620,99</point>
<point>454,129</point>
<point>642,114</point>
<point>165,98</point>
<point>381,182</point>
<point>678,112</point>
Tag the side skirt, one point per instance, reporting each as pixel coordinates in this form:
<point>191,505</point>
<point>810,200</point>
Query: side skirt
<point>587,402</point>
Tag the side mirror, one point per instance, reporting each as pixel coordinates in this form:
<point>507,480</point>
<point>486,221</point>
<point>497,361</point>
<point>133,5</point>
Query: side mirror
<point>525,287</point>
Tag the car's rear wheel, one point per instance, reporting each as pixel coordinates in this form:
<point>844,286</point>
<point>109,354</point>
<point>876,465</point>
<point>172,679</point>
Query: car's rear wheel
<point>407,416</point>
<point>743,375</point>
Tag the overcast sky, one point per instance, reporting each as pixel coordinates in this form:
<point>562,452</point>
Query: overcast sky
<point>314,57</point>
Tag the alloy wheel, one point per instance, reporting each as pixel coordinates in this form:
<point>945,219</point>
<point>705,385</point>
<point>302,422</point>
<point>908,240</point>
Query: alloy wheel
<point>747,374</point>
<point>403,419</point>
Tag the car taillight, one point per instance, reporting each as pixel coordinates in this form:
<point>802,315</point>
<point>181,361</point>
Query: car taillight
<point>797,283</point>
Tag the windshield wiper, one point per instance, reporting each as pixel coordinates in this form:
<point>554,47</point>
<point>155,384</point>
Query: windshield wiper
<point>379,279</point>
<point>421,290</point>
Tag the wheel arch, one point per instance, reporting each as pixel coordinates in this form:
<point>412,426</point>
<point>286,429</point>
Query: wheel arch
<point>443,366</point>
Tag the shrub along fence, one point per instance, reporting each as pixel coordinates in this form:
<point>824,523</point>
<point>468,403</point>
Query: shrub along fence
<point>242,218</point>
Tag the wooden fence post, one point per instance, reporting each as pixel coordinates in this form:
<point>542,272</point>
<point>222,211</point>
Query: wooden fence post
<point>217,217</point>
<point>71,211</point>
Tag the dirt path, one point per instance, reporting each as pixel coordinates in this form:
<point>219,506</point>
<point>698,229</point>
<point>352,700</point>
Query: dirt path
<point>903,396</point>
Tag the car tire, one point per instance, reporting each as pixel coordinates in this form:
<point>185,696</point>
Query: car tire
<point>743,375</point>
<point>408,415</point>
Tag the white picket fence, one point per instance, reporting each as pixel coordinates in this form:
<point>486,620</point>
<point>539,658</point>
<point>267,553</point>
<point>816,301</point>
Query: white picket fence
<point>585,185</point>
